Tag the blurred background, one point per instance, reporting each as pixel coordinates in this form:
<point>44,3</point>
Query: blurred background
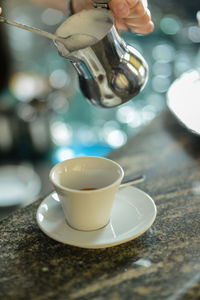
<point>44,118</point>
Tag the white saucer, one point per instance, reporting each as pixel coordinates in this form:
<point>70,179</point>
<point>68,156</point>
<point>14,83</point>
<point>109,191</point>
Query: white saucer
<point>133,213</point>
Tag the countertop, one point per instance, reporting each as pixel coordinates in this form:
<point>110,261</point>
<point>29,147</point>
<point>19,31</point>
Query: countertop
<point>163,263</point>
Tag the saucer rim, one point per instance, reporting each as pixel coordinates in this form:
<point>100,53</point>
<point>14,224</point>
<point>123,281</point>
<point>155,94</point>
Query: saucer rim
<point>120,240</point>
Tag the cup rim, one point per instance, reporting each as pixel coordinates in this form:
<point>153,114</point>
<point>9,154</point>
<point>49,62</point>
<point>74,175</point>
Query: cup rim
<point>86,191</point>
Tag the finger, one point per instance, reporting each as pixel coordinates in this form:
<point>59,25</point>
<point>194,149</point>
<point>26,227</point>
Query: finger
<point>139,19</point>
<point>142,29</point>
<point>143,21</point>
<point>120,8</point>
<point>132,3</point>
<point>0,10</point>
<point>138,10</point>
<point>134,14</point>
<point>120,24</point>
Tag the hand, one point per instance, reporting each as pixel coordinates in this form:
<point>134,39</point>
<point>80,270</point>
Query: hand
<point>132,15</point>
<point>129,14</point>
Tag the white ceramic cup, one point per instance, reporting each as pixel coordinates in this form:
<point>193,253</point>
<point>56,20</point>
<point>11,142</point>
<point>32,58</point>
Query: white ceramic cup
<point>87,209</point>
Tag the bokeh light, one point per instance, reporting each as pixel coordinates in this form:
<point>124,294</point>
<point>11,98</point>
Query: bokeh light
<point>194,34</point>
<point>170,25</point>
<point>51,16</point>
<point>61,133</point>
<point>160,83</point>
<point>164,53</point>
<point>59,79</point>
<point>116,138</point>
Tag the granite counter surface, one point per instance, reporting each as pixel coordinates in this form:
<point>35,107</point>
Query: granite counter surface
<point>163,263</point>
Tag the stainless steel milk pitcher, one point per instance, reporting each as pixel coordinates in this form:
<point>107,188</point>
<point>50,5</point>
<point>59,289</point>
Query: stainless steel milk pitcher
<point>110,71</point>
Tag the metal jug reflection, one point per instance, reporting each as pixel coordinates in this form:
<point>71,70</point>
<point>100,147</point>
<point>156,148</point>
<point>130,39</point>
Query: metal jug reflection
<point>110,71</point>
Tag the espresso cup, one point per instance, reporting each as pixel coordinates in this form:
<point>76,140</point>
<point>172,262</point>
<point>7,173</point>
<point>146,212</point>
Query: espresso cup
<point>86,187</point>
